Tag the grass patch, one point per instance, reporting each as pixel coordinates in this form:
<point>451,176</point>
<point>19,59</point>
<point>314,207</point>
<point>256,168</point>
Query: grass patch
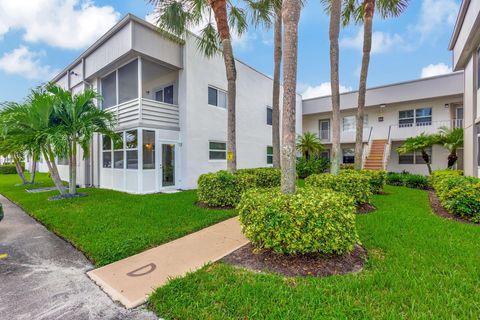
<point>108,225</point>
<point>420,267</point>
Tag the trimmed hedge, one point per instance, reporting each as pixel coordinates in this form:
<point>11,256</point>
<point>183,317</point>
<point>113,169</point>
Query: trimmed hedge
<point>377,178</point>
<point>350,182</point>
<point>458,194</point>
<point>308,167</point>
<point>311,221</point>
<point>223,189</point>
<point>415,181</point>
<point>8,169</point>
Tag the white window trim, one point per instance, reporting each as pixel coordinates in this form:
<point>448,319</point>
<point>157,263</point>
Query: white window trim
<point>414,118</point>
<point>218,150</point>
<point>127,149</point>
<point>415,154</point>
<point>266,115</point>
<point>218,90</point>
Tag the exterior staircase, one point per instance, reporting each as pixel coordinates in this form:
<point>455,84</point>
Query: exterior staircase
<point>376,157</point>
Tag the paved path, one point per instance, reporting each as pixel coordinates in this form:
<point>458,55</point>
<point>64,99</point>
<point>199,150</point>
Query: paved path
<point>44,277</point>
<point>132,279</point>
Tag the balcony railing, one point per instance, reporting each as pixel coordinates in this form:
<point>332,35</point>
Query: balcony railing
<point>345,136</point>
<point>403,131</point>
<point>148,112</point>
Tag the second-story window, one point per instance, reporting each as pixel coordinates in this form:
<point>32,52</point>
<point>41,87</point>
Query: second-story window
<point>269,116</point>
<point>217,97</point>
<point>419,117</point>
<point>349,123</point>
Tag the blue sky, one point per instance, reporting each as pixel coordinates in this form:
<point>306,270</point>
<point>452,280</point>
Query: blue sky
<point>38,40</point>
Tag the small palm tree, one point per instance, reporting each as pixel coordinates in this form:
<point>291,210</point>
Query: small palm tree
<point>419,143</point>
<point>452,140</point>
<point>79,118</point>
<point>362,11</point>
<point>11,147</point>
<point>309,145</point>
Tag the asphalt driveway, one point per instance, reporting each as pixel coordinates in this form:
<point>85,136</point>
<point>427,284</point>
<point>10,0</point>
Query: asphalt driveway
<point>44,277</point>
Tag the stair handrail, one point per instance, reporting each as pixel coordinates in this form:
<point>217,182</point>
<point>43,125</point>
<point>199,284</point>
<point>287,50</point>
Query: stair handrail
<point>366,150</point>
<point>388,147</point>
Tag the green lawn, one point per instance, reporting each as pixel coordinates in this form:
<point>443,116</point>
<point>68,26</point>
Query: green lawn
<point>419,267</point>
<point>108,225</point>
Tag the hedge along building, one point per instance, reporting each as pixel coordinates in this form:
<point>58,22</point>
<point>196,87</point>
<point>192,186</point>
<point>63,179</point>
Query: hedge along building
<point>465,45</point>
<point>393,113</point>
<point>170,103</point>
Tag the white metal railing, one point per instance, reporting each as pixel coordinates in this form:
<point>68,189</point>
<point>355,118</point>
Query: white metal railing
<point>404,131</point>
<point>147,111</point>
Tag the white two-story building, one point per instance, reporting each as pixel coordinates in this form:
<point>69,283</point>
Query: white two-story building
<point>171,106</point>
<point>393,113</point>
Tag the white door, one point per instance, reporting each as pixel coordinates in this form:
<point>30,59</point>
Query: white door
<point>168,167</point>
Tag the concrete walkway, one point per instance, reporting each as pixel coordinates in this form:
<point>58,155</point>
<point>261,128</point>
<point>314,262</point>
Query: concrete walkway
<point>131,280</point>
<point>43,277</point>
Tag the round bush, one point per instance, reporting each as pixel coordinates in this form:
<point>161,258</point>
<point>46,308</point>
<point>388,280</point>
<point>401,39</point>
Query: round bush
<point>264,177</point>
<point>8,169</point>
<point>377,178</point>
<point>416,181</point>
<point>350,182</point>
<point>223,189</point>
<point>311,221</point>
<point>308,167</point>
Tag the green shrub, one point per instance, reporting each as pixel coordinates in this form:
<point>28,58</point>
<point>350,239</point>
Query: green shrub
<point>350,182</point>
<point>223,189</point>
<point>415,181</point>
<point>377,179</point>
<point>8,169</point>
<point>312,220</point>
<point>347,166</point>
<point>395,179</point>
<point>308,167</point>
<point>264,177</point>
<point>458,194</point>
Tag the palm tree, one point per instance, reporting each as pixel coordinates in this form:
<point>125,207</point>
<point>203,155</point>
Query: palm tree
<point>178,15</point>
<point>452,140</point>
<point>363,11</point>
<point>277,59</point>
<point>10,147</point>
<point>79,119</point>
<point>291,16</point>
<point>309,145</point>
<point>419,143</point>
<point>335,7</point>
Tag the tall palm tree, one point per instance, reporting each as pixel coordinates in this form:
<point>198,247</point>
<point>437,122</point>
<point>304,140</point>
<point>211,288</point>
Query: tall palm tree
<point>335,7</point>
<point>291,16</point>
<point>452,140</point>
<point>420,144</point>
<point>363,11</point>
<point>309,144</point>
<point>179,15</point>
<point>277,61</point>
<point>79,119</point>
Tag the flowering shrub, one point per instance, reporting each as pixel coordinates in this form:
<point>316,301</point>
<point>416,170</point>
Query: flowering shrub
<point>310,221</point>
<point>350,182</point>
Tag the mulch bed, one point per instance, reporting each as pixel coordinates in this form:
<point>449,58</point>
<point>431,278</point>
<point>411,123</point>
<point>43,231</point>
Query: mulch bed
<point>297,265</point>
<point>439,210</point>
<point>365,208</point>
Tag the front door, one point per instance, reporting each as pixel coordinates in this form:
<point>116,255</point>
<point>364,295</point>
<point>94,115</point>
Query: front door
<point>167,165</point>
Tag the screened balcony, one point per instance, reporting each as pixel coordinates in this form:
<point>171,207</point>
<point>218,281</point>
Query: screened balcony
<point>142,93</point>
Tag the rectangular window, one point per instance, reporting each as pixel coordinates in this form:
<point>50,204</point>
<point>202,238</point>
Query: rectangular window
<point>128,82</point>
<point>217,150</point>
<point>165,94</point>
<point>406,118</point>
<point>148,149</point>
<point>118,162</point>
<point>324,128</point>
<point>420,117</point>
<point>349,123</point>
<point>325,154</point>
<point>131,144</point>
<point>107,152</point>
<point>269,116</point>
<point>419,159</point>
<point>413,157</point>
<point>269,155</point>
<point>348,155</point>
<point>109,90</point>
<point>217,98</point>
<point>423,117</point>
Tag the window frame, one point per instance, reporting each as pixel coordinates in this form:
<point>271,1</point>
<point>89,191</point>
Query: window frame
<point>320,130</point>
<point>218,91</point>
<point>269,111</point>
<point>414,155</point>
<point>107,151</point>
<point>127,149</point>
<point>154,151</point>
<point>210,150</point>
<point>343,155</point>
<point>122,151</point>
<point>117,97</point>
<point>414,118</point>
<point>270,155</point>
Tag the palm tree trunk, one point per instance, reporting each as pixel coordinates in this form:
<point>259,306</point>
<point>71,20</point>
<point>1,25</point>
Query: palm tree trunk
<point>33,170</point>
<point>18,167</point>
<point>277,44</point>
<point>452,158</point>
<point>52,168</point>
<point>291,16</point>
<point>367,46</point>
<point>335,84</point>
<point>219,8</point>
<point>426,158</point>
<point>73,169</point>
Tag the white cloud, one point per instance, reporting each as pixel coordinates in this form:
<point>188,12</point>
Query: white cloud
<point>69,24</point>
<point>381,41</point>
<point>323,89</point>
<point>23,62</point>
<point>435,70</point>
<point>435,14</point>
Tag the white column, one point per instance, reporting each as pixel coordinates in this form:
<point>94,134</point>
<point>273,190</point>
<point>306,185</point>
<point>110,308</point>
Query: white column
<point>140,89</point>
